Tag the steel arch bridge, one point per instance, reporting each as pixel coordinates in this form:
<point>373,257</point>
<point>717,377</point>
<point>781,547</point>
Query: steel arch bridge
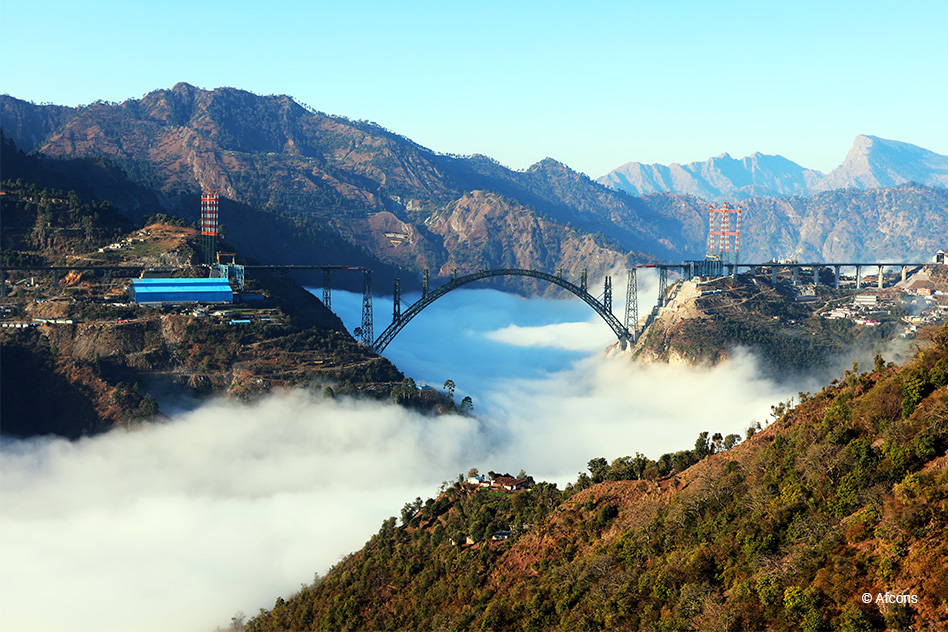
<point>403,318</point>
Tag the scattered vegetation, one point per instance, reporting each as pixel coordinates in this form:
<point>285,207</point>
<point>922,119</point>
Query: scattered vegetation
<point>787,336</point>
<point>845,494</point>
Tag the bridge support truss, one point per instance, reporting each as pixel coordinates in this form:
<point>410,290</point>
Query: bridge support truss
<point>631,304</point>
<point>368,336</point>
<point>662,285</point>
<point>607,294</point>
<point>396,300</point>
<point>327,289</point>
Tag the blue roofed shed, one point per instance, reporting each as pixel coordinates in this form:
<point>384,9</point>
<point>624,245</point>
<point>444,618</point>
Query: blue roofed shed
<point>173,291</point>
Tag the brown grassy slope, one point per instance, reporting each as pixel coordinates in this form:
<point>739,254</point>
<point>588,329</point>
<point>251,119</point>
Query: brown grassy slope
<point>846,494</point>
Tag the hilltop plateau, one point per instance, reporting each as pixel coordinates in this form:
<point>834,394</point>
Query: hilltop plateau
<point>78,335</point>
<point>795,331</point>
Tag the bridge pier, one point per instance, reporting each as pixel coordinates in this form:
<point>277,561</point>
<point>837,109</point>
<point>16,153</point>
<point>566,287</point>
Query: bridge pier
<point>368,338</point>
<point>631,304</point>
<point>583,280</point>
<point>880,277</point>
<point>816,275</point>
<point>607,294</point>
<point>858,277</point>
<point>397,301</point>
<point>662,285</point>
<point>773,275</point>
<point>836,277</point>
<point>327,291</point>
<point>424,284</point>
<point>903,273</point>
<point>795,271</point>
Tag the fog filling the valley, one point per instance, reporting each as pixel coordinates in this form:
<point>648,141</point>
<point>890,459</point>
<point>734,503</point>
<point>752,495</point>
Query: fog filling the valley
<point>180,525</point>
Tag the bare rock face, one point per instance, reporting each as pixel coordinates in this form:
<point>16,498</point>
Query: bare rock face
<point>484,230</point>
<point>874,163</point>
<point>200,383</point>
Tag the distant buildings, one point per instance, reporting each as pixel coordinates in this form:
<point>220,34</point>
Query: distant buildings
<point>506,483</point>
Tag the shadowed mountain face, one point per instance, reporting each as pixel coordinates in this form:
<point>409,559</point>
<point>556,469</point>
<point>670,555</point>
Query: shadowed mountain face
<point>326,187</point>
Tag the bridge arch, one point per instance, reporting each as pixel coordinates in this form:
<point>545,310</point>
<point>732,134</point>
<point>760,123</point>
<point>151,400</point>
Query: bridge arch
<point>397,325</point>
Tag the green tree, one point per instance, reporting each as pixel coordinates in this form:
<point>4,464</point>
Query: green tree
<point>148,407</point>
<point>703,446</point>
<point>598,467</point>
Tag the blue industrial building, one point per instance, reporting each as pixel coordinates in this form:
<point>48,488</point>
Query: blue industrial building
<point>176,291</point>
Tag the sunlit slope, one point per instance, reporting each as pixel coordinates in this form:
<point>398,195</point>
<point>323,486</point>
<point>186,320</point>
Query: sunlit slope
<point>843,496</point>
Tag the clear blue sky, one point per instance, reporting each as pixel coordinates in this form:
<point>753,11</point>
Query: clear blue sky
<point>592,84</point>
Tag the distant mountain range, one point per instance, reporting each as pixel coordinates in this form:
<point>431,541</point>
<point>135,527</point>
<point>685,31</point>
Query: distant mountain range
<point>300,185</point>
<point>871,163</point>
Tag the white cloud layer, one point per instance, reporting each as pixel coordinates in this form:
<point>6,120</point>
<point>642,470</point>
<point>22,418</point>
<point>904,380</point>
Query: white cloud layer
<point>180,525</point>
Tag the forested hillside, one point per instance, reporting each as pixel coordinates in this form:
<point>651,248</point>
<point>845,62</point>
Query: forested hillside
<point>835,517</point>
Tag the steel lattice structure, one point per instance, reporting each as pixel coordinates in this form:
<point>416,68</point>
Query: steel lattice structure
<point>457,281</point>
<point>367,312</point>
<point>720,233</point>
<point>209,223</point>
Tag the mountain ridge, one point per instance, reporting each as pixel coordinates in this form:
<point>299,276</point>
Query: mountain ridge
<point>874,162</point>
<point>349,180</point>
<point>871,162</point>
